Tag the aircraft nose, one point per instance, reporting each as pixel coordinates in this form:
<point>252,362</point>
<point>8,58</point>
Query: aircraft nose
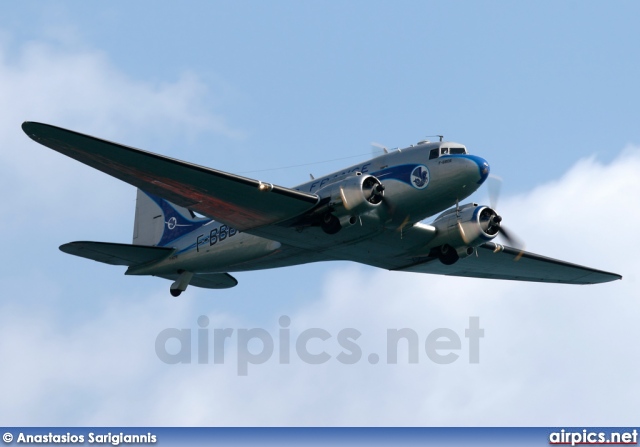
<point>480,167</point>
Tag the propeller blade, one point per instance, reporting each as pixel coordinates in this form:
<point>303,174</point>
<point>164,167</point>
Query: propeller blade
<point>403,224</point>
<point>373,189</point>
<point>467,236</point>
<point>494,184</point>
<point>378,146</point>
<point>463,235</point>
<point>511,238</point>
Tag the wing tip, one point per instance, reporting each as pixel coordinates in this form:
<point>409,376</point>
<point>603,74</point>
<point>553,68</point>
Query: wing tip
<point>608,277</point>
<point>65,248</point>
<point>616,277</point>
<point>26,126</point>
<point>30,128</point>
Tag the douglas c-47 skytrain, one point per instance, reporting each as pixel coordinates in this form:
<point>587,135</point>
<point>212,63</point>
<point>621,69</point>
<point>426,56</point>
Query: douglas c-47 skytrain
<point>370,213</point>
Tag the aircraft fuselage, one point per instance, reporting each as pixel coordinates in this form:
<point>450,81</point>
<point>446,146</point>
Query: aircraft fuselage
<point>415,187</point>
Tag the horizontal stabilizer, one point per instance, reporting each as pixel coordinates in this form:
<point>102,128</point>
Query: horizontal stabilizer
<point>500,262</point>
<point>208,280</point>
<point>116,254</point>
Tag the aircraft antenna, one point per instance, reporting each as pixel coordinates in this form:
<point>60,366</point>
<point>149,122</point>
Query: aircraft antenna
<point>302,164</point>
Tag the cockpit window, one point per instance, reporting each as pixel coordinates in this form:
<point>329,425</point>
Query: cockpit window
<point>435,153</point>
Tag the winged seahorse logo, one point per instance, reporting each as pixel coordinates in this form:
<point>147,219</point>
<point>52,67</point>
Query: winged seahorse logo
<point>420,177</point>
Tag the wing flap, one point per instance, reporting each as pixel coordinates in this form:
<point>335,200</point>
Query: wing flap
<point>500,262</point>
<point>241,202</point>
<point>116,254</point>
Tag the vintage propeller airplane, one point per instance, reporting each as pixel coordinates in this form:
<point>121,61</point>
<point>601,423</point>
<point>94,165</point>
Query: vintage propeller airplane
<point>370,213</point>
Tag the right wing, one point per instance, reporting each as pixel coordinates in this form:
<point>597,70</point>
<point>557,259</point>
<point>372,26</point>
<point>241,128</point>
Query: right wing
<point>240,202</point>
<point>494,261</point>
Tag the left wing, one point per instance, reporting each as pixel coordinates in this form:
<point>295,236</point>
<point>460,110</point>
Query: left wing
<point>240,202</point>
<point>496,261</point>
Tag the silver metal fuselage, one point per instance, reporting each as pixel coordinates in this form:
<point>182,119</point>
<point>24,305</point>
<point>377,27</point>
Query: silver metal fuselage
<point>215,247</point>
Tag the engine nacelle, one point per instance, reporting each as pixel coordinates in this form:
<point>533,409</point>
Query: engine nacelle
<point>459,231</point>
<point>354,196</point>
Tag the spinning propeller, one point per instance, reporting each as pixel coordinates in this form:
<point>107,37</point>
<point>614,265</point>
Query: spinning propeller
<point>373,190</point>
<point>494,184</point>
<point>376,148</point>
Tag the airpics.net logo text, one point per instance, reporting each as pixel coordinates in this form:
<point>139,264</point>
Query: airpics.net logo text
<point>313,346</point>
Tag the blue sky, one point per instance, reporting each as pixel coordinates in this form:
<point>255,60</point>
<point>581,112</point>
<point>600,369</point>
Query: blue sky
<point>545,91</point>
<point>309,81</point>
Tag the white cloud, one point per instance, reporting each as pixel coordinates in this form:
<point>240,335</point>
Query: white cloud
<point>551,355</point>
<point>78,88</point>
<point>74,86</point>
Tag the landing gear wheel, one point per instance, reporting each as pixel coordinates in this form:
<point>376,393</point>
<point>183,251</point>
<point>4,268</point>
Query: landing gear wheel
<point>448,256</point>
<point>175,292</point>
<point>330,224</point>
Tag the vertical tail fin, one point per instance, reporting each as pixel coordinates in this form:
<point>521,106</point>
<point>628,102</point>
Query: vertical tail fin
<point>159,222</point>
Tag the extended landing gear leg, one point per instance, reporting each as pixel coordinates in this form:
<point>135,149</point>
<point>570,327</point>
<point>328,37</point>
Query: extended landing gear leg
<point>180,284</point>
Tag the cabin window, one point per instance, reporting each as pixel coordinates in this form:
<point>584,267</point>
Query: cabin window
<point>444,150</point>
<point>433,154</point>
<point>458,150</point>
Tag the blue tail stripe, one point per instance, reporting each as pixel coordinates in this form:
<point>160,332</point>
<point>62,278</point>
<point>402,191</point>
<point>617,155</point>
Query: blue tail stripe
<point>175,224</point>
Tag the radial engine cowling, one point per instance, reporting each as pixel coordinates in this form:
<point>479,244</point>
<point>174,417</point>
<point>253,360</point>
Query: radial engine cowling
<point>354,196</point>
<point>464,229</point>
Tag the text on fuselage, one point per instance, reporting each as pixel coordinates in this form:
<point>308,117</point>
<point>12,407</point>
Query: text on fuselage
<point>323,182</point>
<point>216,235</point>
